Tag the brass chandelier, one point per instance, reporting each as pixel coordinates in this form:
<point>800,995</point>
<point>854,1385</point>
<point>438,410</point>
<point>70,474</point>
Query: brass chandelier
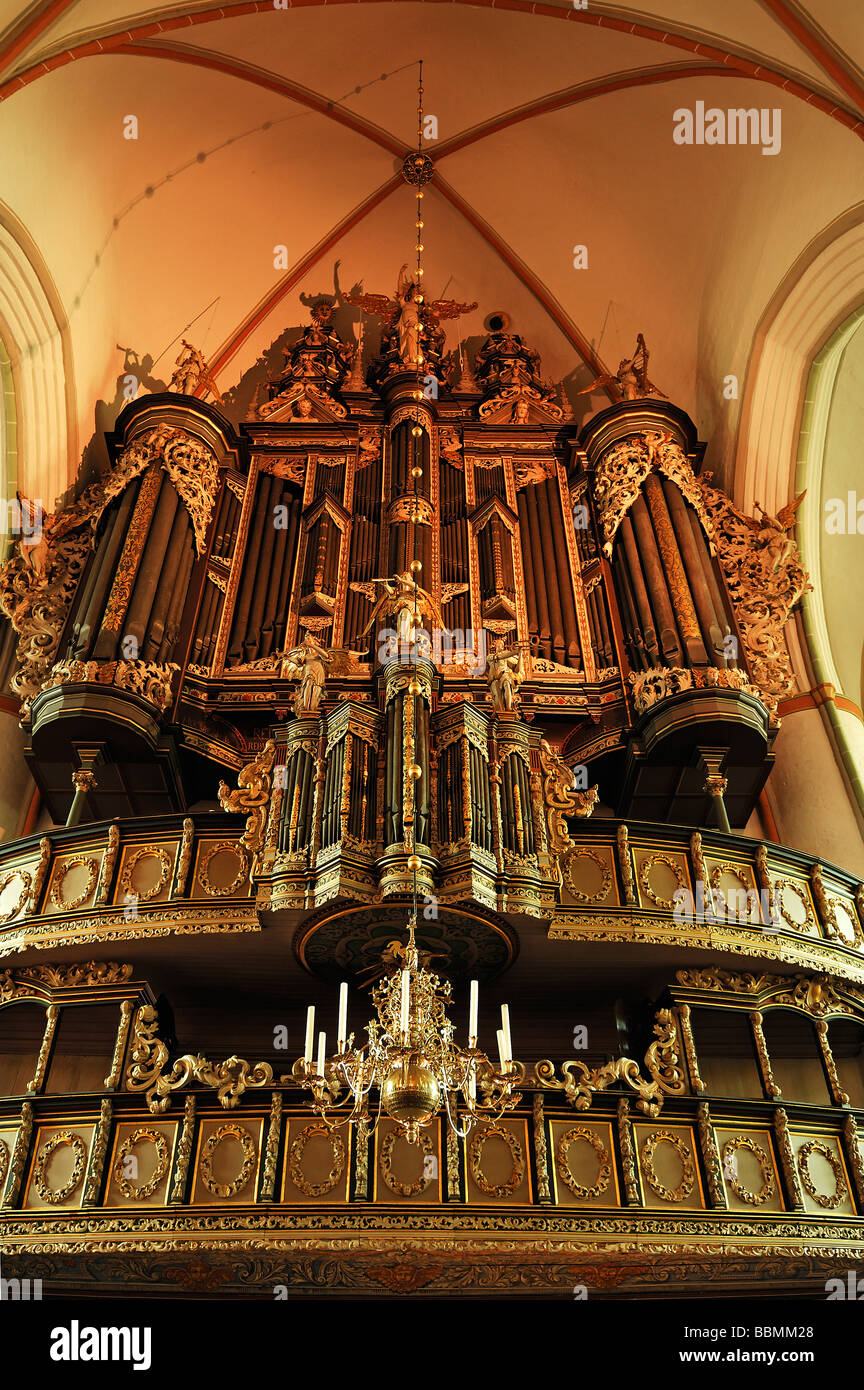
<point>411,1067</point>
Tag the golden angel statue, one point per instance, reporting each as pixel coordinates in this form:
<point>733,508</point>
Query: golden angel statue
<point>505,673</point>
<point>307,663</point>
<point>631,377</point>
<point>191,371</point>
<point>400,599</point>
<point>407,315</point>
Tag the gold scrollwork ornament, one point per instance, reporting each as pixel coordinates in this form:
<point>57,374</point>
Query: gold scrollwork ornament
<point>385,1163</point>
<point>69,904</point>
<point>137,1192</point>
<point>295,1161</point>
<point>250,1153</point>
<point>234,886</point>
<point>4,1161</point>
<point>56,1196</point>
<point>605,871</point>
<point>645,875</point>
<point>475,1154</point>
<point>730,1148</point>
<point>815,1146</point>
<point>131,864</point>
<point>688,1176</point>
<point>565,1173</point>
<point>23,896</point>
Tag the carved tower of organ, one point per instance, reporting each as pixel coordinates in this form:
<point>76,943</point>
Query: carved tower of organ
<point>274,678</point>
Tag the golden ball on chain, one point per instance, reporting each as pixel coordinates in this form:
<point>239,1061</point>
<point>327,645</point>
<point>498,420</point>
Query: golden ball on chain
<point>414,862</point>
<point>411,1092</point>
<point>417,431</point>
<point>415,772</point>
<point>416,472</point>
<point>416,620</point>
<point>416,566</point>
<point>414,686</point>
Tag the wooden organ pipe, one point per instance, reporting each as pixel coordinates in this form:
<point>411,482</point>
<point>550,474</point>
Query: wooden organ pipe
<point>643,618</point>
<point>719,598</point>
<point>674,572</point>
<point>656,583</point>
<point>696,579</point>
<point>544,646</point>
<point>167,585</point>
<point>565,582</point>
<point>102,572</point>
<point>549,569</point>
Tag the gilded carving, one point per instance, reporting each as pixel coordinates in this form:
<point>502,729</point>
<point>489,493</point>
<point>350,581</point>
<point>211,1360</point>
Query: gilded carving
<point>251,796</point>
<point>138,1192</point>
<point>662,682</point>
<point>184,1153</point>
<point>606,875</point>
<point>628,1156</point>
<point>765,580</point>
<point>625,865</point>
<point>854,1156</point>
<point>604,1162</point>
<point>185,859</point>
<point>23,896</point>
<point>841,1191</point>
<point>56,1196</point>
<point>70,904</point>
<point>623,469</point>
<point>38,1081</point>
<point>247,1165</point>
<point>98,1151</point>
<point>131,863</point>
<point>39,874</point>
<point>645,878</point>
<point>541,1157</point>
<point>475,1158</point>
<point>385,1163</point>
<point>562,797</point>
<point>234,847</point>
<point>787,1159</point>
<point>271,1150</point>
<point>688,1174</point>
<point>113,1078</point>
<point>766,1168</point>
<point>4,1161</point>
<point>295,1160</point>
<point>772,1090</point>
<point>109,860</point>
<point>710,1156</point>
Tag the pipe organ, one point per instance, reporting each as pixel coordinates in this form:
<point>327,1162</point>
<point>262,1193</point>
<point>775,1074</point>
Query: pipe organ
<point>279,676</point>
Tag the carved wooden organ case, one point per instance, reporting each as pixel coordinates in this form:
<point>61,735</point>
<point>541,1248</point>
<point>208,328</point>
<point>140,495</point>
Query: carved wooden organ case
<point>646,612</point>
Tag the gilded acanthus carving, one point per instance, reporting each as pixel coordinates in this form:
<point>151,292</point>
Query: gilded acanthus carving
<point>148,1061</point>
<point>710,1156</point>
<point>251,796</point>
<point>562,797</point>
<point>92,972</point>
<point>765,579</point>
<point>18,1161</point>
<point>623,469</point>
<point>660,682</point>
<point>662,1061</point>
<point>39,874</point>
<point>149,679</point>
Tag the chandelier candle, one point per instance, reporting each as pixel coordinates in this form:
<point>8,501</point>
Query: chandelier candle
<point>473,1004</point>
<point>310,1034</point>
<point>322,1052</point>
<point>342,1030</point>
<point>505,1029</point>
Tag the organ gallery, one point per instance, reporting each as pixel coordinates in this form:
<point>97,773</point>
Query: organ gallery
<point>401,909</point>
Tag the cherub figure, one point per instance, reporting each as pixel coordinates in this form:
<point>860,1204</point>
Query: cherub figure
<point>772,531</point>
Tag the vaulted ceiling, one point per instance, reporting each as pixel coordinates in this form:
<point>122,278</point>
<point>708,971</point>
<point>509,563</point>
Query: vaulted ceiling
<point>261,127</point>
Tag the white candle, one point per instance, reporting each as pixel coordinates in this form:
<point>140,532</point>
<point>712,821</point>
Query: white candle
<point>406,1001</point>
<point>473,1005</point>
<point>310,1034</point>
<point>322,1053</point>
<point>502,1047</point>
<point>343,1015</point>
<point>505,1029</point>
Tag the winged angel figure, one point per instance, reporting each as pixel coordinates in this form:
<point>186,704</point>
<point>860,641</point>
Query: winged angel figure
<point>631,377</point>
<point>771,531</point>
<point>407,317</point>
<point>308,663</point>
